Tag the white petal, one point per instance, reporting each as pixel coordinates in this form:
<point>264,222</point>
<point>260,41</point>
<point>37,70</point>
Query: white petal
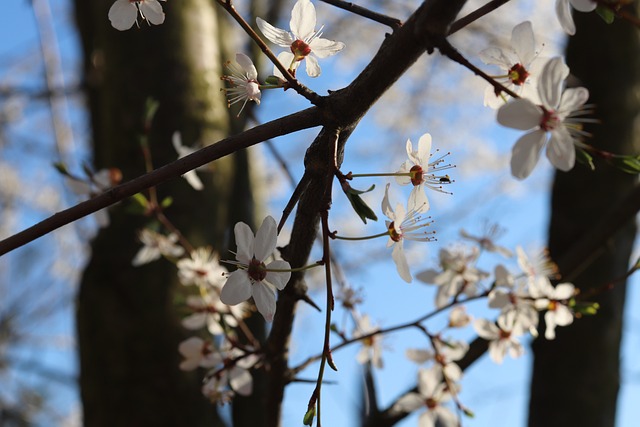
<point>446,418</point>
<point>418,355</point>
<point>237,289</point>
<point>145,255</point>
<point>404,179</point>
<point>428,276</point>
<point>526,152</point>
<point>486,329</point>
<point>520,114</point>
<point>303,19</point>
<point>123,14</point>
<point>322,47</point>
<point>550,320</point>
<point>266,239</point>
<point>312,66</point>
<point>491,100</point>
<point>401,262</point>
<point>427,419</point>
<point>193,180</point>
<point>428,381</point>
<point>279,279</point>
<point>247,65</point>
<point>424,149</point>
<point>286,59</point>
<point>560,151</point>
<point>244,241</point>
<point>497,350</point>
<point>496,56</point>
<point>386,206</point>
<point>409,403</point>
<point>194,321</point>
<point>563,291</point>
<point>563,315</point>
<point>275,35</point>
<point>523,42</point>
<point>572,99</point>
<point>152,10</point>
<point>265,299</point>
<point>418,200</point>
<point>551,82</point>
<point>564,16</point>
<point>241,381</point>
<point>584,5</point>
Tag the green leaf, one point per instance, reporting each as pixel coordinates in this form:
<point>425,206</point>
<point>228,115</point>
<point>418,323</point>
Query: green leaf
<point>166,202</point>
<point>359,205</point>
<point>139,205</point>
<point>150,109</point>
<point>585,158</point>
<point>628,164</point>
<point>309,416</point>
<point>62,168</point>
<point>606,14</point>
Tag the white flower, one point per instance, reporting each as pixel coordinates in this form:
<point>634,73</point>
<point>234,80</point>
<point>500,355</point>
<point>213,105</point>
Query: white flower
<point>563,10</point>
<point>371,350</point>
<point>404,224</point>
<point>538,271</point>
<point>553,120</point>
<point>421,172</point>
<point>445,356</point>
<point>191,176</point>
<point>124,13</point>
<point>201,269</point>
<point>212,313</point>
<point>486,241</point>
<point>520,63</point>
<point>156,245</point>
<point>244,82</point>
<point>304,42</point>
<point>431,393</point>
<point>502,338</point>
<point>232,372</point>
<point>197,353</point>
<point>457,275</point>
<point>554,300</point>
<point>253,278</point>
<point>458,317</point>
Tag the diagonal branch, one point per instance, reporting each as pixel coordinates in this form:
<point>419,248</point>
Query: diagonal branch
<point>394,23</point>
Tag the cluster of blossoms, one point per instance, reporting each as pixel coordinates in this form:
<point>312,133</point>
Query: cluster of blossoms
<point>545,108</point>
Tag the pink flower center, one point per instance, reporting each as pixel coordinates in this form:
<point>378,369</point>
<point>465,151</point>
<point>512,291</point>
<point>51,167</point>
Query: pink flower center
<point>300,49</point>
<point>431,403</point>
<point>257,271</point>
<point>518,74</point>
<point>416,175</point>
<point>550,120</point>
<point>395,236</point>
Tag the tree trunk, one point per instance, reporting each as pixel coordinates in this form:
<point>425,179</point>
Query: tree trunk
<point>576,377</point>
<point>128,328</point>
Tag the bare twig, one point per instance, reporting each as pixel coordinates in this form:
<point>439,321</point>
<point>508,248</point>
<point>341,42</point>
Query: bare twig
<point>366,13</point>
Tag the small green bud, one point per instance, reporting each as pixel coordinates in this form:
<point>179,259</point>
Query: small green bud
<point>309,416</point>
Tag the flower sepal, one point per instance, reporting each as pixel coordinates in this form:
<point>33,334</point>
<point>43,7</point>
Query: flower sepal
<point>359,206</point>
<point>628,164</point>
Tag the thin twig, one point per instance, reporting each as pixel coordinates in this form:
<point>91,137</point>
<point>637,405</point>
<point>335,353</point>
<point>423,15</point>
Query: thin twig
<point>475,15</point>
<point>387,20</point>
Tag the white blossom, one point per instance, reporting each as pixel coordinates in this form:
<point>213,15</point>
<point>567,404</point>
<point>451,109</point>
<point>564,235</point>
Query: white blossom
<point>197,353</point>
<point>243,81</point>
<point>155,246</point>
<point>371,350</point>
<point>202,268</point>
<point>503,338</point>
<point>253,278</point>
<point>563,10</point>
<point>554,300</point>
<point>304,42</point>
<point>191,176</point>
<point>124,13</point>
<point>553,122</point>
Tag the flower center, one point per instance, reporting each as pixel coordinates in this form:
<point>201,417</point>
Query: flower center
<point>518,74</point>
<point>416,174</point>
<point>431,403</point>
<point>300,49</point>
<point>553,305</point>
<point>550,120</point>
<point>257,271</point>
<point>504,334</point>
<point>395,236</point>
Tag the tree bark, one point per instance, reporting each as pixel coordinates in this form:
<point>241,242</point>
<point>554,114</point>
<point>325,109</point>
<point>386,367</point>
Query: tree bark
<point>576,377</point>
<point>128,325</point>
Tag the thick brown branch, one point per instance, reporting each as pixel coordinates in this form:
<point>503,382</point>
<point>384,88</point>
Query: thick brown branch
<point>302,120</point>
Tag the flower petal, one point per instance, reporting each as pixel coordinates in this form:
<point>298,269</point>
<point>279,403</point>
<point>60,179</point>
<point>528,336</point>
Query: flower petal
<point>584,5</point>
<point>409,403</point>
<point>424,149</point>
<point>279,279</point>
<point>303,19</point>
<point>564,16</point>
<point>241,381</point>
<point>520,114</point>
<point>486,329</point>
<point>404,179</point>
<point>244,241</point>
<point>152,10</point>
<point>496,56</point>
<point>523,42</point>
<point>265,299</point>
<point>275,35</point>
<point>571,100</point>
<point>526,152</point>
<point>386,206</point>
<point>247,65</point>
<point>560,151</point>
<point>401,262</point>
<point>237,289</point>
<point>418,200</point>
<point>286,59</point>
<point>123,14</point>
<point>323,48</point>
<point>312,66</point>
<point>551,82</point>
<point>266,239</point>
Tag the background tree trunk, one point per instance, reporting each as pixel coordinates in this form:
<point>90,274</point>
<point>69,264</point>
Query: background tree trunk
<point>128,326</point>
<point>576,377</point>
